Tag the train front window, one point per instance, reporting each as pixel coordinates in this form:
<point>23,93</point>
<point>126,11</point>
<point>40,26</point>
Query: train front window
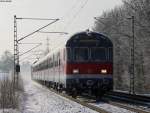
<point>81,54</point>
<point>98,54</point>
<point>110,52</point>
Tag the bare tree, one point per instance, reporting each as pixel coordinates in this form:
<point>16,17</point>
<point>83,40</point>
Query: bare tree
<point>117,25</point>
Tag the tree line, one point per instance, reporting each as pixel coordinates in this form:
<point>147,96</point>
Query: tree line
<point>6,61</point>
<point>117,24</point>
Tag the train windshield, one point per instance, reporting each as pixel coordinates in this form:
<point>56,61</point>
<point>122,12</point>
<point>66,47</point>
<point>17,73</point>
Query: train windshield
<point>81,54</point>
<point>98,54</point>
<point>110,52</point>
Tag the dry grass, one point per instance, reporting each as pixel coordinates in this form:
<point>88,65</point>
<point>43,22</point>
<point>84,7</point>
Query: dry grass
<point>9,93</point>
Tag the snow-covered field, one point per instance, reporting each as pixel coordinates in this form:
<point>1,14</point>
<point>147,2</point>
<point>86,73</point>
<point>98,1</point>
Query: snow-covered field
<point>9,111</point>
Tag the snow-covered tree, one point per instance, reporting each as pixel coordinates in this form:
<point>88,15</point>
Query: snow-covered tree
<point>117,25</point>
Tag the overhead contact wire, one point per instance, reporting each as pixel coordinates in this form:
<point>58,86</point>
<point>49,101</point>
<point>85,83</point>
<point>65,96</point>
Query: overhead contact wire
<point>77,13</point>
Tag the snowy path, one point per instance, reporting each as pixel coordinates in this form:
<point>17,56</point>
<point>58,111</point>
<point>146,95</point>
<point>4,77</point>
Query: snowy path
<point>39,99</point>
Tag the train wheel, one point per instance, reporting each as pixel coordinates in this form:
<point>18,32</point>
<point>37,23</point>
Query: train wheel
<point>60,88</point>
<point>74,93</point>
<point>99,95</point>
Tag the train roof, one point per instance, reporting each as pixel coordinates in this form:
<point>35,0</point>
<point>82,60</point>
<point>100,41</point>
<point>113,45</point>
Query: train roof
<point>86,34</point>
<point>68,39</point>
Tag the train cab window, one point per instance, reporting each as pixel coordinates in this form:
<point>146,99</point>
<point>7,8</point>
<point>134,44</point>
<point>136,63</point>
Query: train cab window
<point>81,54</point>
<point>110,54</point>
<point>98,54</point>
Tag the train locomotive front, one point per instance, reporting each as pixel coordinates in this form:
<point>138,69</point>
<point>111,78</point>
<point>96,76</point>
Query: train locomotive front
<point>89,67</point>
<point>83,64</point>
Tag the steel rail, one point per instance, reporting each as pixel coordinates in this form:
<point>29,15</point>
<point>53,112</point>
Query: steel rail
<point>122,99</point>
<point>92,107</point>
<point>137,110</point>
<point>87,102</point>
<point>95,108</point>
<point>135,97</point>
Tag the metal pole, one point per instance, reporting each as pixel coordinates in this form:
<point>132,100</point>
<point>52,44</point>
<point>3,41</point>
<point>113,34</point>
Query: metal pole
<point>132,76</point>
<point>15,48</point>
<point>133,60</point>
<point>16,54</point>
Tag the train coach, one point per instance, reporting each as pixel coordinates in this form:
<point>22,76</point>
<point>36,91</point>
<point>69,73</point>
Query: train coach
<point>84,63</point>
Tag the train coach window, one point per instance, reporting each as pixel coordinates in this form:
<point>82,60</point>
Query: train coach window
<point>69,54</point>
<point>98,54</point>
<point>64,54</point>
<point>49,62</point>
<point>81,54</point>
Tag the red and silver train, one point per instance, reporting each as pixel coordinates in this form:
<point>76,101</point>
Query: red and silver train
<point>83,64</point>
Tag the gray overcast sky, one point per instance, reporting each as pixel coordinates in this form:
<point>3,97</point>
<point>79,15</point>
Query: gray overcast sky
<point>65,9</point>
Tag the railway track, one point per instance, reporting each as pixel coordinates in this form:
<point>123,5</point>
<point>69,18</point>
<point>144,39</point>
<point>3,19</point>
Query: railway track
<point>136,103</point>
<point>81,101</point>
<point>130,108</point>
<point>90,103</point>
<point>135,99</point>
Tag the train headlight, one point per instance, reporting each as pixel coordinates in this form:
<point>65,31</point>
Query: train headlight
<point>103,71</point>
<point>75,71</point>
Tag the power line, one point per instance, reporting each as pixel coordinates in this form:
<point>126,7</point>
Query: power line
<point>76,14</point>
<point>30,50</point>
<point>36,18</point>
<point>66,15</point>
<point>52,32</point>
<point>29,43</point>
<point>38,30</point>
<point>69,11</point>
<point>27,58</point>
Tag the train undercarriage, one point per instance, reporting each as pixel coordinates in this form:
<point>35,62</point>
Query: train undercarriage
<point>90,87</point>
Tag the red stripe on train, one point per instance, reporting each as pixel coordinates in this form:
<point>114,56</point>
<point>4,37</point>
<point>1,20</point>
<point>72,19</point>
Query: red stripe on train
<point>89,68</point>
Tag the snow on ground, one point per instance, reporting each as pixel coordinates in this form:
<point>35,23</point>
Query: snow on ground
<point>9,111</point>
<point>111,108</point>
<point>39,99</point>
